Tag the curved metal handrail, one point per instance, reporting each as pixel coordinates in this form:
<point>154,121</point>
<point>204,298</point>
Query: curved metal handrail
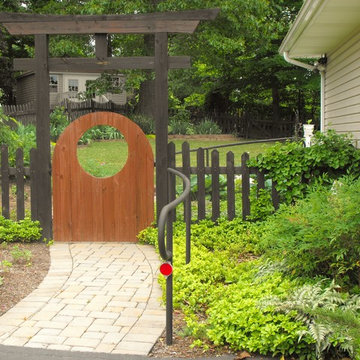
<point>164,214</point>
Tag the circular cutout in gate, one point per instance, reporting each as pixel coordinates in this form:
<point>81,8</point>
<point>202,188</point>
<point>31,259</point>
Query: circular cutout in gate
<point>102,151</point>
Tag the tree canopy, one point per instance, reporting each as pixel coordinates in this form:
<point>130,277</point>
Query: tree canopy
<point>236,68</point>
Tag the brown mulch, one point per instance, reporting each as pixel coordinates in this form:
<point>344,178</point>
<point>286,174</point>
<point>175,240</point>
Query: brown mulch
<point>181,347</point>
<point>22,277</point>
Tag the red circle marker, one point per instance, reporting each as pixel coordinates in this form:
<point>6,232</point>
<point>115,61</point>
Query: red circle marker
<point>166,269</point>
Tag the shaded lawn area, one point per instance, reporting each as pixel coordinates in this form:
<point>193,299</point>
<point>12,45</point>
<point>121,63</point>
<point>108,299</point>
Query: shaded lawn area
<point>106,158</point>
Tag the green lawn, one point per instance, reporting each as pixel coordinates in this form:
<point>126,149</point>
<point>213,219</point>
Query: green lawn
<point>106,158</point>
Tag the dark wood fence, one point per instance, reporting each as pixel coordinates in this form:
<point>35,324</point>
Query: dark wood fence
<point>77,109</point>
<point>24,113</point>
<point>13,179</point>
<point>215,170</point>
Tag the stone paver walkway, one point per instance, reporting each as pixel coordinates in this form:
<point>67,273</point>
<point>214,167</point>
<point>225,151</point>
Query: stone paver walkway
<point>97,297</point>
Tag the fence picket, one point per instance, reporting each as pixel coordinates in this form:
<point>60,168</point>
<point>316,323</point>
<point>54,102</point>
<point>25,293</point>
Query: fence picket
<point>245,186</point>
<point>172,182</point>
<point>20,174</point>
<point>33,196</point>
<point>230,172</point>
<point>5,182</point>
<point>186,172</point>
<point>260,179</point>
<point>187,202</point>
<point>275,196</point>
<point>201,184</point>
<point>215,186</point>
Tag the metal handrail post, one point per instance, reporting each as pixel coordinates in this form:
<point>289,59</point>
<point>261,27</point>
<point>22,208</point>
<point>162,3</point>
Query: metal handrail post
<point>166,252</point>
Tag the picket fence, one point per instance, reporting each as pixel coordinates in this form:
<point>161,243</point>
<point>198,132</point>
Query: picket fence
<point>15,178</point>
<point>215,170</point>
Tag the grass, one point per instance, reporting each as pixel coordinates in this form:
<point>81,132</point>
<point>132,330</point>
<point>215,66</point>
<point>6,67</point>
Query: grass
<point>103,158</point>
<point>106,158</point>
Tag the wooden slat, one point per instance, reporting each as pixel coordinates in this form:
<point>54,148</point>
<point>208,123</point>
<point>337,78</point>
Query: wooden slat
<point>275,196</point>
<point>187,202</point>
<point>171,177</point>
<point>101,46</point>
<point>215,187</point>
<point>201,184</point>
<point>43,166</point>
<point>104,27</point>
<point>33,187</point>
<point>161,118</point>
<point>200,14</point>
<point>177,22</point>
<point>230,176</point>
<point>5,200</point>
<point>260,179</point>
<point>93,65</point>
<point>20,206</point>
<point>186,171</point>
<point>245,186</point>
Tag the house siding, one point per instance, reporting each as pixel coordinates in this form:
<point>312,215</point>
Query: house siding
<point>25,89</point>
<point>342,89</point>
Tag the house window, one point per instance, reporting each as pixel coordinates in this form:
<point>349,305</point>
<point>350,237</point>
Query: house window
<point>73,85</point>
<point>54,83</point>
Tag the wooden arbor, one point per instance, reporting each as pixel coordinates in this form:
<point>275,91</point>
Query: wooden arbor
<point>42,26</point>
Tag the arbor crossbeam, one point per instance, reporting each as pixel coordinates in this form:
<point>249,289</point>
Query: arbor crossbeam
<point>97,65</point>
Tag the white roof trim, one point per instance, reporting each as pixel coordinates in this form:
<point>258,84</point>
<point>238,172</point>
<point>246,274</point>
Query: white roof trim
<point>321,26</point>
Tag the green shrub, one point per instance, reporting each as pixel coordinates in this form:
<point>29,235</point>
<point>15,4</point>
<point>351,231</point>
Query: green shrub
<point>319,235</point>
<point>261,203</point>
<point>100,132</point>
<point>27,140</point>
<point>24,230</point>
<point>146,123</point>
<point>331,318</point>
<point>21,255</point>
<point>208,187</point>
<point>179,123</point>
<point>16,136</point>
<point>207,126</point>
<point>58,122</point>
<point>219,290</point>
<point>294,167</point>
<point>8,136</point>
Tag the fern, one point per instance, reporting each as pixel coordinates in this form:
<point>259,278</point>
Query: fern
<point>332,319</point>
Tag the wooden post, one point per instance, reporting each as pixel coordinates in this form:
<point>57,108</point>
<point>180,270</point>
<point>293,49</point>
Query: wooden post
<point>43,166</point>
<point>20,173</point>
<point>33,188</point>
<point>215,186</point>
<point>230,177</point>
<point>101,46</point>
<point>201,184</point>
<point>5,200</point>
<point>172,178</point>
<point>245,185</point>
<point>161,119</point>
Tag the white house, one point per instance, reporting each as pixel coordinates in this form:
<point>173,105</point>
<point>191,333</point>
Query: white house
<point>329,31</point>
<point>65,85</point>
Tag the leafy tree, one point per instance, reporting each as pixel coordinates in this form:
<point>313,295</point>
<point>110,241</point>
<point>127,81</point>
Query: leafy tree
<point>235,69</point>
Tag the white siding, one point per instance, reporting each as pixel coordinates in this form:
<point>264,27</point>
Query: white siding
<point>342,89</point>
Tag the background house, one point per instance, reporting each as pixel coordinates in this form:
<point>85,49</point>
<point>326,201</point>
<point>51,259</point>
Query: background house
<point>66,86</point>
<point>329,30</point>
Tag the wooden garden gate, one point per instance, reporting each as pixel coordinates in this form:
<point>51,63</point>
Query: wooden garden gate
<point>115,208</point>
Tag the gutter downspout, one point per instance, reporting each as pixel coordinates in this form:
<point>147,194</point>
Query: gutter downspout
<point>321,69</point>
<point>322,101</point>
